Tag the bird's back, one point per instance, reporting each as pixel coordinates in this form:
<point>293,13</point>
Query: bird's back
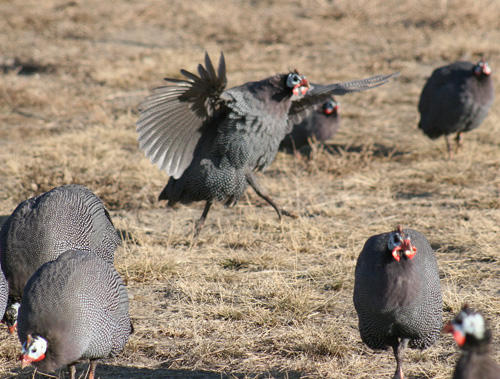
<point>454,99</point>
<point>80,305</point>
<point>4,293</point>
<point>43,227</point>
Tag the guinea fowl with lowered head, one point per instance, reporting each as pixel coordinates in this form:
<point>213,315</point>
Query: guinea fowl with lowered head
<point>210,140</point>
<point>397,293</point>
<point>456,99</point>
<point>470,333</point>
<point>43,227</point>
<point>73,308</point>
<point>4,293</point>
<point>320,125</point>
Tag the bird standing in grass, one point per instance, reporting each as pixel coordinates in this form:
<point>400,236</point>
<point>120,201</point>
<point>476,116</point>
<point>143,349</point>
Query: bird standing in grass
<point>456,99</point>
<point>320,125</point>
<point>73,308</point>
<point>470,333</point>
<point>397,293</point>
<point>211,140</point>
<point>45,226</point>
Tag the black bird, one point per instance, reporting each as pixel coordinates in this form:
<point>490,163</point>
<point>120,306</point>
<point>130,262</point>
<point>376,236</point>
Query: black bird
<point>470,333</point>
<point>211,140</point>
<point>397,293</point>
<point>456,99</point>
<point>320,125</point>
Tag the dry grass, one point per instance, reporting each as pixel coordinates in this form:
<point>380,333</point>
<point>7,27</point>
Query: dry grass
<point>256,298</point>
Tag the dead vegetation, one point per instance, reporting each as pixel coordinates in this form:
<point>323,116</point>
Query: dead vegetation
<point>256,298</point>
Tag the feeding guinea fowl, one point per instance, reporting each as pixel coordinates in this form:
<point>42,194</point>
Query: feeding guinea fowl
<point>470,333</point>
<point>73,308</point>
<point>45,226</point>
<point>320,125</point>
<point>397,294</point>
<point>210,140</point>
<point>456,99</point>
<point>4,292</point>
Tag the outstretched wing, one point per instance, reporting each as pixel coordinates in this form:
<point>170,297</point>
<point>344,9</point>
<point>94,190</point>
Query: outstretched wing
<point>319,93</point>
<point>172,118</point>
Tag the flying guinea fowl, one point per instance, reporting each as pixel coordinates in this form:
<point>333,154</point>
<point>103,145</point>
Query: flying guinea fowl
<point>470,333</point>
<point>45,226</point>
<point>320,125</point>
<point>210,140</point>
<point>73,308</point>
<point>456,99</point>
<point>397,293</point>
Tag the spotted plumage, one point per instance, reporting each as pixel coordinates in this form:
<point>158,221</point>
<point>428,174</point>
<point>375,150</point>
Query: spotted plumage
<point>45,226</point>
<point>4,293</point>
<point>77,307</point>
<point>456,99</point>
<point>211,140</point>
<point>397,293</point>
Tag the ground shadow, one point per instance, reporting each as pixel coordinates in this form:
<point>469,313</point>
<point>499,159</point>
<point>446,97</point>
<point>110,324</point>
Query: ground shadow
<point>104,371</point>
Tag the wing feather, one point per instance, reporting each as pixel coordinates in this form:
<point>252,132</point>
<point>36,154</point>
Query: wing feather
<point>172,118</point>
<point>319,93</point>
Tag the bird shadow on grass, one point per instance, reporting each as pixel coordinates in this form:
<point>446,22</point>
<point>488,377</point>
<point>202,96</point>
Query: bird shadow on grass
<point>104,371</point>
<point>373,149</point>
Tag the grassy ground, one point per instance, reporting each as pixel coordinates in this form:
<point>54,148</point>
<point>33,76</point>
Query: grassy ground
<point>256,298</point>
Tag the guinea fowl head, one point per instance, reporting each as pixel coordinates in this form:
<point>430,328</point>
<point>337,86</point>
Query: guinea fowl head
<point>33,350</point>
<point>10,317</point>
<point>331,107</point>
<point>400,245</point>
<point>468,328</point>
<point>298,83</point>
<point>482,68</point>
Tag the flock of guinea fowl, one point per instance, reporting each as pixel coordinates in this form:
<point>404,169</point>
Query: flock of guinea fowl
<point>58,286</point>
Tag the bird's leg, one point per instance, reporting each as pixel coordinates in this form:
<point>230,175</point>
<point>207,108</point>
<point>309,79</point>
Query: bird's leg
<point>448,146</point>
<point>199,223</point>
<point>398,354</point>
<point>460,141</point>
<point>72,371</point>
<point>93,364</point>
<point>280,211</point>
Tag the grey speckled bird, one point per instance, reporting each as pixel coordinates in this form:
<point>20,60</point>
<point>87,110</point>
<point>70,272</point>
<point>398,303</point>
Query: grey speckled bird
<point>4,292</point>
<point>73,308</point>
<point>211,140</point>
<point>320,125</point>
<point>456,99</point>
<point>397,293</point>
<point>470,333</point>
<point>45,226</point>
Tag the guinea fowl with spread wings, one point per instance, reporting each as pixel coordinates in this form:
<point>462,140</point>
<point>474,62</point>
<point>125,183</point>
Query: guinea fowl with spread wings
<point>210,140</point>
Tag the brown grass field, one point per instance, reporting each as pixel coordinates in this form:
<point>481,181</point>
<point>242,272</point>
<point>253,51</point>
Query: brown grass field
<point>256,297</point>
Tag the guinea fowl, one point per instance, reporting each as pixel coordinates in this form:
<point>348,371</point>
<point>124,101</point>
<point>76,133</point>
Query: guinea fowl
<point>4,293</point>
<point>470,333</point>
<point>456,99</point>
<point>320,125</point>
<point>210,140</point>
<point>45,226</point>
<point>73,308</point>
<point>397,293</point>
